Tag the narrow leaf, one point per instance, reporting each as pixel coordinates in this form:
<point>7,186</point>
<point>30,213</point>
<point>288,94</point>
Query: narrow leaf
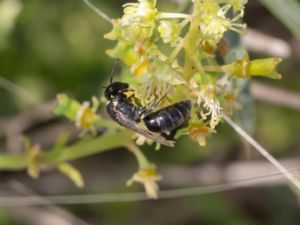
<point>287,11</point>
<point>72,173</point>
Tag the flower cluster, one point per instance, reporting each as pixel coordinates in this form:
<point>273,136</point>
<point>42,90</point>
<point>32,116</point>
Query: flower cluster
<point>214,22</point>
<point>176,55</point>
<point>155,70</point>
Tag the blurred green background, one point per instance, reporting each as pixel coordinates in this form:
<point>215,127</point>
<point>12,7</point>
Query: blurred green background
<point>49,47</point>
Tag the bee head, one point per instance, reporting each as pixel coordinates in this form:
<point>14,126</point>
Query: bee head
<point>114,89</point>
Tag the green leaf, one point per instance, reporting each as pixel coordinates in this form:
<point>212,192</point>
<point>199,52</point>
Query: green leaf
<point>287,11</point>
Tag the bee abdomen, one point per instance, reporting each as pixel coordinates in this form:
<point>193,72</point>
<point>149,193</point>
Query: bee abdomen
<point>169,118</point>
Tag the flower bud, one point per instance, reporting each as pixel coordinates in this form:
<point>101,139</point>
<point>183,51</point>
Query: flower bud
<point>245,68</point>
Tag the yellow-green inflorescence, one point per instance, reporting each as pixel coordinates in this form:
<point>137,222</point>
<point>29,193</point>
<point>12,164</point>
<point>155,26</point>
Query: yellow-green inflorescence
<point>175,53</point>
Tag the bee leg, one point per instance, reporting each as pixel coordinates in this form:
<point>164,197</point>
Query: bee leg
<point>145,108</point>
<point>171,135</point>
<point>148,109</point>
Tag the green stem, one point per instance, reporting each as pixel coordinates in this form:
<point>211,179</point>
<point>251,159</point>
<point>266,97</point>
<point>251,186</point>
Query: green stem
<point>175,52</point>
<point>13,161</point>
<point>190,41</point>
<point>165,15</point>
<point>199,66</point>
<point>78,150</point>
<point>142,160</point>
<point>179,46</point>
<point>210,68</point>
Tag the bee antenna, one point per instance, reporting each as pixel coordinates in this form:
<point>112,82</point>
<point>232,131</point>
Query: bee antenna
<point>113,70</point>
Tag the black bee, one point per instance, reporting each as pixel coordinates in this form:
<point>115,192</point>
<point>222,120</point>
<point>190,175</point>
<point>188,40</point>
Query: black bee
<point>121,109</point>
<point>169,118</point>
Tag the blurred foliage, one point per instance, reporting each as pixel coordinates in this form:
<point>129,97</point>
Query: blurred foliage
<point>6,219</point>
<point>287,11</point>
<point>54,47</point>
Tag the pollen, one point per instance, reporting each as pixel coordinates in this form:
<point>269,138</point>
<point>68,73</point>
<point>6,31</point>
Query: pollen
<point>140,68</point>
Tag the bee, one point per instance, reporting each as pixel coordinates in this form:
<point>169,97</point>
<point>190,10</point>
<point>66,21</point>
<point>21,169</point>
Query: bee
<point>169,118</point>
<point>121,109</point>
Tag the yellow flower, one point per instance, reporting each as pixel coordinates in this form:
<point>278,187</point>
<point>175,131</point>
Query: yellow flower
<point>140,68</point>
<point>86,116</point>
<point>82,114</point>
<point>116,31</point>
<point>124,52</point>
<point>214,21</point>
<point>198,131</point>
<point>149,178</point>
<point>231,104</point>
<point>144,11</point>
<point>138,20</point>
<point>237,5</point>
<point>169,32</point>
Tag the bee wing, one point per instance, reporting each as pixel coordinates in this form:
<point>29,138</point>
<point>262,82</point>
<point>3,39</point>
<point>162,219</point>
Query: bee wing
<point>132,125</point>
